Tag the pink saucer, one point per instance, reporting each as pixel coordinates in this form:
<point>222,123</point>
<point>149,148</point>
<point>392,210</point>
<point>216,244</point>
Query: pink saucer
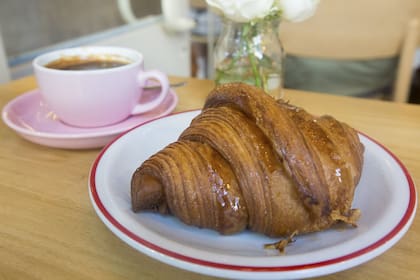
<point>30,117</point>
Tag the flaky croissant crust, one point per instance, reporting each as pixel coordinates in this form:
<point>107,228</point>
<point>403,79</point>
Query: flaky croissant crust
<point>249,161</point>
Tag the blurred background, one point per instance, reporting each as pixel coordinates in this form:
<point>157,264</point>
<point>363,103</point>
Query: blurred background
<point>177,36</point>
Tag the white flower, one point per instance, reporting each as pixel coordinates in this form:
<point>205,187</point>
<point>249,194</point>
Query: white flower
<point>242,10</point>
<point>248,10</point>
<point>297,10</point>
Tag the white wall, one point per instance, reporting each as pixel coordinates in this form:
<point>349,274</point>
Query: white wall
<point>4,68</point>
<point>163,50</point>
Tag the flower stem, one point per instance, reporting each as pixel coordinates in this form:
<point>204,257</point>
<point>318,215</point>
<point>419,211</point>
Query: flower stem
<point>252,59</point>
<point>254,65</point>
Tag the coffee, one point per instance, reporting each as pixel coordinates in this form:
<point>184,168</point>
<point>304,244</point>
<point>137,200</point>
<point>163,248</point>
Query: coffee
<point>87,63</point>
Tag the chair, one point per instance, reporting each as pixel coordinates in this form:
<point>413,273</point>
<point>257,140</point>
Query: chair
<point>360,30</point>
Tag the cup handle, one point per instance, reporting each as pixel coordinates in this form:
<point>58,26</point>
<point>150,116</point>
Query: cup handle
<point>142,78</point>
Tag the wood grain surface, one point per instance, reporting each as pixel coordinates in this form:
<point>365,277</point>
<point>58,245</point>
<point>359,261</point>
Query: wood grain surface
<point>49,230</point>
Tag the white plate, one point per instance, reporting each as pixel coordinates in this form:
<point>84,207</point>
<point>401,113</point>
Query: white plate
<point>386,196</point>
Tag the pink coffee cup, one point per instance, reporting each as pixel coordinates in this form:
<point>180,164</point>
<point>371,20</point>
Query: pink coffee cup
<point>100,96</point>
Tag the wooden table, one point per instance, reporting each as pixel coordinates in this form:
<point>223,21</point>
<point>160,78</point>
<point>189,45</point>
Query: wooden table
<point>49,230</point>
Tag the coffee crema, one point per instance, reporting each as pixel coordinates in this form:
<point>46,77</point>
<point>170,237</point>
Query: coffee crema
<point>87,63</point>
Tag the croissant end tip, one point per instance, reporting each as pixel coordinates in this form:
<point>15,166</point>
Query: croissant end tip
<point>147,197</point>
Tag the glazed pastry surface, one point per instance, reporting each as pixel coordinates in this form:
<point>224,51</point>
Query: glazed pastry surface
<point>249,161</point>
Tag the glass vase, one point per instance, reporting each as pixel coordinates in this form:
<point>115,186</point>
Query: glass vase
<point>252,53</point>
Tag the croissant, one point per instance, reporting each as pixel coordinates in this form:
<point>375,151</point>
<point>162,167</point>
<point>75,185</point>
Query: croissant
<point>248,161</point>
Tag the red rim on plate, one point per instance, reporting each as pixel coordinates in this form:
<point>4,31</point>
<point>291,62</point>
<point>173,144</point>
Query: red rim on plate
<point>249,268</point>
